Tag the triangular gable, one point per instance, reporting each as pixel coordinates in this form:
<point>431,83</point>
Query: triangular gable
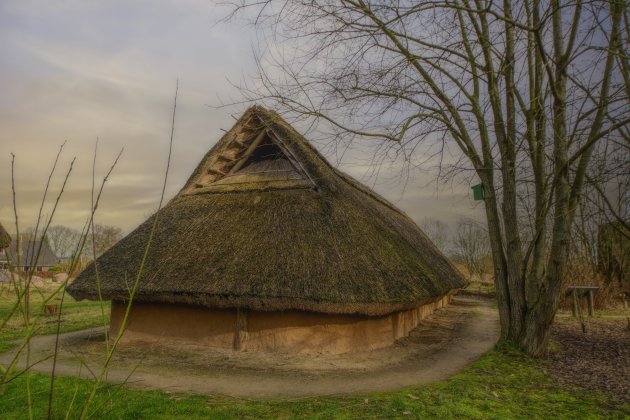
<point>254,158</point>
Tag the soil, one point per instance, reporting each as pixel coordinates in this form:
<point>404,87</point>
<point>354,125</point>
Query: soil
<point>440,346</point>
<point>480,293</point>
<point>598,359</point>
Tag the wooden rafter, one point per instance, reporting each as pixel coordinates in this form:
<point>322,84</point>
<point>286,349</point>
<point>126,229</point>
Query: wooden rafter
<point>290,156</point>
<point>236,153</point>
<point>259,138</point>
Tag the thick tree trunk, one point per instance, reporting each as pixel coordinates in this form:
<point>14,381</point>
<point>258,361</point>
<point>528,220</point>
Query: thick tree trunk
<point>499,263</point>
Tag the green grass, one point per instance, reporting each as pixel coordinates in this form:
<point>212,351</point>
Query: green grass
<point>619,313</point>
<point>598,313</point>
<point>481,287</point>
<point>498,386</point>
<point>75,315</point>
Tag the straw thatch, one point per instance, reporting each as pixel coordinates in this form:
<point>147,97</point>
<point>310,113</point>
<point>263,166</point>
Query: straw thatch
<point>300,235</point>
<point>5,238</point>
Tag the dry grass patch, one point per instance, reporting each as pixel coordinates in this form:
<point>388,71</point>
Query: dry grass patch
<point>75,315</point>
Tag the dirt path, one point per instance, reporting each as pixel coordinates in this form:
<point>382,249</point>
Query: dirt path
<point>442,345</point>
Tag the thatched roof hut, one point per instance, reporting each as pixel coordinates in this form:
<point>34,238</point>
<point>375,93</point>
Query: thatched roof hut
<point>266,225</point>
<point>5,238</point>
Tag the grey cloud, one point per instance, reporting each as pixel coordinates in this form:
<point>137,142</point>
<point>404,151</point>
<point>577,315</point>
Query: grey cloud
<point>75,71</point>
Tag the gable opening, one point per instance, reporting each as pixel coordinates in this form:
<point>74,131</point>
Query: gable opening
<point>266,157</point>
<point>254,161</point>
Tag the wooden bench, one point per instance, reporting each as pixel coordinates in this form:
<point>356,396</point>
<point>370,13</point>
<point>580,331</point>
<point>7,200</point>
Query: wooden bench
<point>578,292</point>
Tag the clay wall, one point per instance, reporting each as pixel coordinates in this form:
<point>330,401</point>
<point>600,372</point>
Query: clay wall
<point>158,321</point>
<point>284,332</point>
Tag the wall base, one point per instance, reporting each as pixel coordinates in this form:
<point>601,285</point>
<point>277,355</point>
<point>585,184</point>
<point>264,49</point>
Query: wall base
<point>282,332</point>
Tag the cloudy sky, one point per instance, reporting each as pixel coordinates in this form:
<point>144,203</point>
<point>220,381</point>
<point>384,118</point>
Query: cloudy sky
<point>73,71</point>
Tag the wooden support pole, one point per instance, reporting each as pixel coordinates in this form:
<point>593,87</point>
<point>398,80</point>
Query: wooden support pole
<point>249,151</point>
<point>574,308</point>
<point>240,329</point>
<point>226,158</point>
<point>590,302</point>
<point>215,171</point>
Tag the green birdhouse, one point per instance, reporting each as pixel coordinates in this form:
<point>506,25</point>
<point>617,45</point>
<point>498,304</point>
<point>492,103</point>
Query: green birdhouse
<point>478,192</point>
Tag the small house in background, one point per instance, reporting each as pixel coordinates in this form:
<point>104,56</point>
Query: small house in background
<point>27,255</point>
<point>268,247</point>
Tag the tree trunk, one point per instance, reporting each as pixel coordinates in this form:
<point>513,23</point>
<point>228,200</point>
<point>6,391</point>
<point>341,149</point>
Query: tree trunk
<point>467,81</point>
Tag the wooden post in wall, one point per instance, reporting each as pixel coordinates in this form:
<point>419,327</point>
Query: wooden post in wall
<point>590,303</point>
<point>240,329</point>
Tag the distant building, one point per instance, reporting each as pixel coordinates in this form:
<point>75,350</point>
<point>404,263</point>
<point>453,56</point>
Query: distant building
<point>27,254</point>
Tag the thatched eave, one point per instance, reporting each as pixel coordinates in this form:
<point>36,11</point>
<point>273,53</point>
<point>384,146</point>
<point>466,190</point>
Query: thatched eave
<point>270,304</point>
<point>5,238</point>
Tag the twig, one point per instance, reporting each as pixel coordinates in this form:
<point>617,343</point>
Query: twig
<point>63,293</point>
<point>123,324</point>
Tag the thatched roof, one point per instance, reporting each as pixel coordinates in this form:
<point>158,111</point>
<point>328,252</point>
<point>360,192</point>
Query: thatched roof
<point>265,223</point>
<point>5,238</point>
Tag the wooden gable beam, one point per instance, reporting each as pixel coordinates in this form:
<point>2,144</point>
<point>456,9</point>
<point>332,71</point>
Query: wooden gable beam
<point>259,138</point>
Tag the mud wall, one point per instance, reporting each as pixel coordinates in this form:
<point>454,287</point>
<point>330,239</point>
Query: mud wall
<point>284,332</point>
<point>159,321</point>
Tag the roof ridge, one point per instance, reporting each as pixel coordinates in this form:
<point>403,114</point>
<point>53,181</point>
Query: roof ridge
<point>224,167</point>
<point>345,177</point>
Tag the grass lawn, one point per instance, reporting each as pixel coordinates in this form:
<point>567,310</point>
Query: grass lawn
<point>75,315</point>
<point>500,385</point>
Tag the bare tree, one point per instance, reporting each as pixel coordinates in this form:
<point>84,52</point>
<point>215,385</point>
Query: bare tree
<point>437,231</point>
<point>613,254</point>
<point>471,246</point>
<point>606,201</point>
<point>105,236</point>
<point>63,240</point>
<point>29,234</point>
<point>522,90</point>
<point>602,225</point>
